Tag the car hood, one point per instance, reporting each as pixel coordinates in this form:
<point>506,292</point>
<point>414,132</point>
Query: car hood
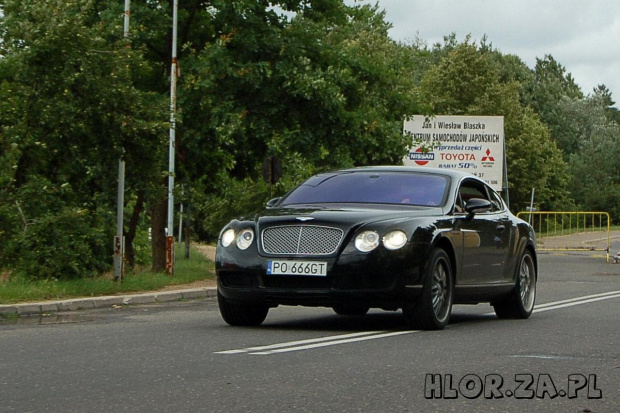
<point>343,215</point>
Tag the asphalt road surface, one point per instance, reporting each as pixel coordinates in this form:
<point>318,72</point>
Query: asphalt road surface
<point>181,357</point>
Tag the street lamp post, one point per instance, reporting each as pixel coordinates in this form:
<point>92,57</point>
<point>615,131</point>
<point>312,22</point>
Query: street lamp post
<point>119,239</point>
<point>171,148</point>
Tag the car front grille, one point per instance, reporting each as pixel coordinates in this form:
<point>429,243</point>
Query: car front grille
<point>301,240</point>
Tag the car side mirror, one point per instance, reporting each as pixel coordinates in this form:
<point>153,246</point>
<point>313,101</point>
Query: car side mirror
<point>272,202</point>
<point>476,206</point>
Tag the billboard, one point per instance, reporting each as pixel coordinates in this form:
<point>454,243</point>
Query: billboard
<point>473,144</point>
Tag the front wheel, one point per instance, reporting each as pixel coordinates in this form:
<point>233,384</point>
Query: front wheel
<point>432,310</point>
<point>237,314</point>
<point>520,303</point>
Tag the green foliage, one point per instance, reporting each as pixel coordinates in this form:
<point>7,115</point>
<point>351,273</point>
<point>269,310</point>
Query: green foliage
<point>239,199</point>
<point>70,110</point>
<point>65,245</point>
<point>334,89</point>
<point>327,88</point>
<point>534,161</point>
<point>462,81</point>
<point>320,87</point>
<point>551,88</point>
<point>49,237</point>
<point>243,198</point>
<point>18,288</point>
<point>603,94</point>
<point>598,139</point>
<point>467,80</point>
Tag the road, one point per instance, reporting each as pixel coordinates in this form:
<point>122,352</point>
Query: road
<point>181,357</point>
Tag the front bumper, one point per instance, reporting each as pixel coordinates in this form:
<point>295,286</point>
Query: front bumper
<point>380,279</point>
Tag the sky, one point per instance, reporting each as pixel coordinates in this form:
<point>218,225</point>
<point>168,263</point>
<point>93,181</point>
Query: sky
<point>582,35</point>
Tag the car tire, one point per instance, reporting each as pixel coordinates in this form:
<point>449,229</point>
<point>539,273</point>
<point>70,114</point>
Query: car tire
<point>237,314</point>
<point>520,303</point>
<point>350,309</point>
<point>433,308</point>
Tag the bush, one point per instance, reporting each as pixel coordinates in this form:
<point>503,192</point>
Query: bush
<point>239,198</point>
<point>243,198</point>
<point>65,245</point>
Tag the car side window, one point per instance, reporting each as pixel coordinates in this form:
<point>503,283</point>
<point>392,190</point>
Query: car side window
<point>498,204</point>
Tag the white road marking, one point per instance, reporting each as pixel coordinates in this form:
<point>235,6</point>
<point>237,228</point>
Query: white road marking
<point>583,300</point>
<point>570,300</point>
<point>335,343</point>
<point>372,335</point>
<point>298,343</point>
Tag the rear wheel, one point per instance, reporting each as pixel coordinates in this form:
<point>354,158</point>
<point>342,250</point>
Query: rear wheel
<point>520,303</point>
<point>350,309</point>
<point>237,314</point>
<point>432,310</point>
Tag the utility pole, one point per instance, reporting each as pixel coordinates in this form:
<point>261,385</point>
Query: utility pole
<point>171,148</point>
<point>119,239</point>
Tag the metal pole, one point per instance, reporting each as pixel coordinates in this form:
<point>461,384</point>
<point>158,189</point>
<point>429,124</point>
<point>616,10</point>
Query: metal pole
<point>532,208</point>
<point>173,101</point>
<point>188,222</point>
<point>119,244</point>
<point>180,223</point>
<point>181,217</point>
<point>119,239</point>
<point>126,22</point>
<point>506,175</point>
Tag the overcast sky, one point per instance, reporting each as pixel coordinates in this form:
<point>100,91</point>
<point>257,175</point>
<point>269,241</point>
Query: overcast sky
<point>582,35</point>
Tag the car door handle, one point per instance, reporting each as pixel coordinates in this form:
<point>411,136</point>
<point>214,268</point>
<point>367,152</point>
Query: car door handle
<point>500,228</point>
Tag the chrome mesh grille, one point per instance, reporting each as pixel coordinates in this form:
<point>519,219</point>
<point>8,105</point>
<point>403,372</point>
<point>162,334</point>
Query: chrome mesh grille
<point>301,240</point>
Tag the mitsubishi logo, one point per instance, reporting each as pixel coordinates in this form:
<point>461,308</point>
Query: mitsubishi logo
<point>488,158</point>
<point>304,219</point>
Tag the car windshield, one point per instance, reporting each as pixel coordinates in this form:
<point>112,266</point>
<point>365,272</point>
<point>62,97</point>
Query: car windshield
<point>404,188</point>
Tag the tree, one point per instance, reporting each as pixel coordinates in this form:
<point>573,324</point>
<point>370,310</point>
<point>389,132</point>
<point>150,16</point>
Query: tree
<point>594,164</point>
<point>468,81</point>
<point>321,89</point>
<point>316,83</point>
<point>325,89</point>
<point>70,110</point>
<point>604,94</point>
<point>553,85</point>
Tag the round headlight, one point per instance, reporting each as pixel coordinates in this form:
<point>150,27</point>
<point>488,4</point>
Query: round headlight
<point>395,240</point>
<point>245,238</point>
<point>228,237</point>
<point>367,241</point>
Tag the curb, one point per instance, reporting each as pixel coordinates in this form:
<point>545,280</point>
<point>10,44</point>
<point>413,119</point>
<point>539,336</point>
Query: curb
<point>107,301</point>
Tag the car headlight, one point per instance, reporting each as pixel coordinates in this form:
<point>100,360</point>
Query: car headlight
<point>394,240</point>
<point>245,238</point>
<point>367,241</point>
<point>228,237</point>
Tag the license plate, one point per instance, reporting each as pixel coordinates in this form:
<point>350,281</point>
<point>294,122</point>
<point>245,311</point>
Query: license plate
<point>309,268</point>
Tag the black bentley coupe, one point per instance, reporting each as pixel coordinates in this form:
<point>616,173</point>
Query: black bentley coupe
<point>390,237</point>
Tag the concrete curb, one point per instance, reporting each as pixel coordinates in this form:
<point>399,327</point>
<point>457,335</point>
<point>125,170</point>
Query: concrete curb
<point>108,301</point>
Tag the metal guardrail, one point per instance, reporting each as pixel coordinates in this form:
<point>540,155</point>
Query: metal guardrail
<point>570,231</point>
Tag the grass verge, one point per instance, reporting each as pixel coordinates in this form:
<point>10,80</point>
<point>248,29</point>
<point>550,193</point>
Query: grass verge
<point>186,271</point>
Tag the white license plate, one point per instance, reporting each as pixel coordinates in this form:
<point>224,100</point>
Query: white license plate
<point>310,268</point>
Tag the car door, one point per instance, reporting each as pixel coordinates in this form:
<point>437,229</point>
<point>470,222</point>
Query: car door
<point>485,236</point>
<point>506,231</point>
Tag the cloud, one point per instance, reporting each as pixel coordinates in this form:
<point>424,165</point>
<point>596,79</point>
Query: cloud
<point>581,35</point>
